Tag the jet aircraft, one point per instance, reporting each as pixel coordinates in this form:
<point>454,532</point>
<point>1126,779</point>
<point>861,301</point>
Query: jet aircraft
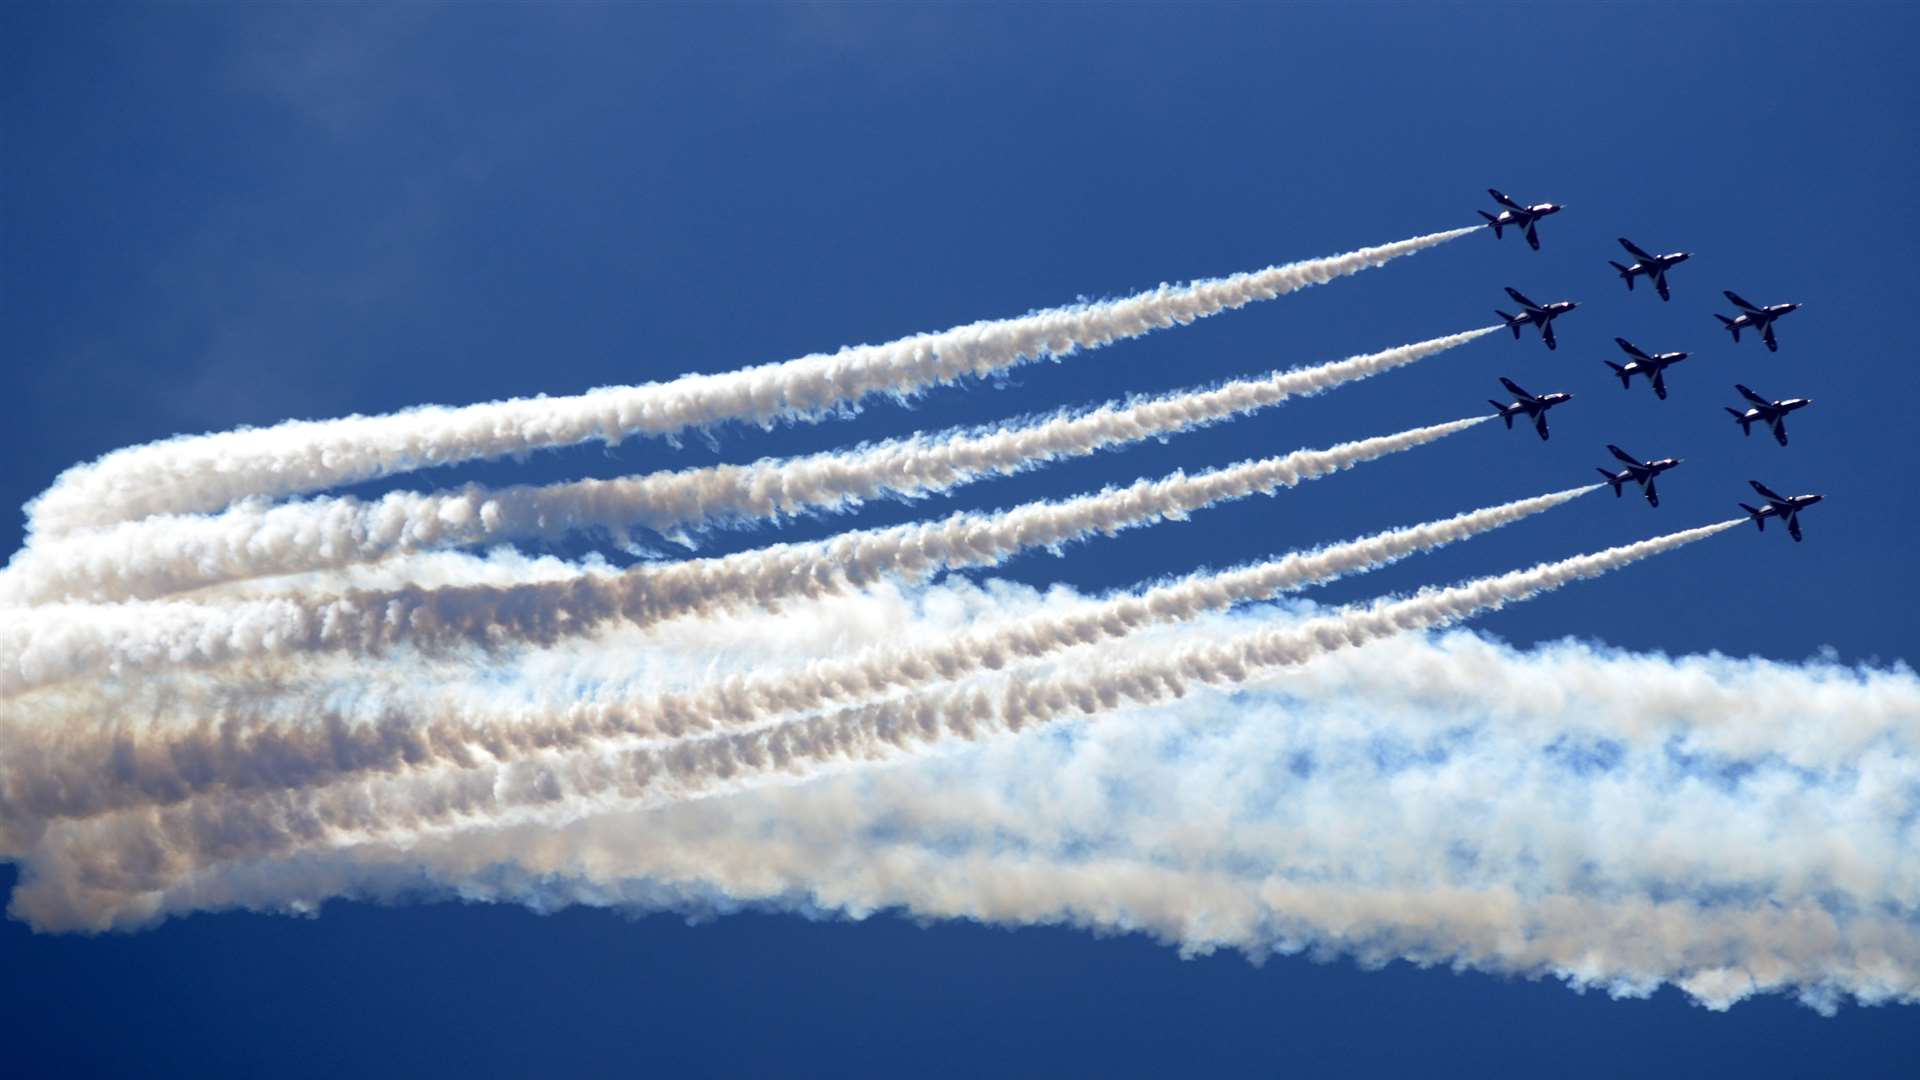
<point>1653,367</point>
<point>1787,510</point>
<point>1771,413</point>
<point>1654,266</point>
<point>1520,217</point>
<point>1760,318</point>
<point>1540,315</point>
<point>1528,405</point>
<point>1640,472</point>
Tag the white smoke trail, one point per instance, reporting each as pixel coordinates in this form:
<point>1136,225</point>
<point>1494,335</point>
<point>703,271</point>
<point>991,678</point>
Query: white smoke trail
<point>55,643</point>
<point>1260,827</point>
<point>173,842</point>
<point>57,770</point>
<point>207,472</point>
<point>1433,830</point>
<point>169,554</point>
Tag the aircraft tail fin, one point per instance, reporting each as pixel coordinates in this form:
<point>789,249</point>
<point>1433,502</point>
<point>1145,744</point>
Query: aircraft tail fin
<point>1759,519</point>
<point>1626,380</point>
<point>1746,425</point>
<point>1612,480</point>
<point>1513,322</point>
<point>1625,274</point>
<point>1493,221</point>
<point>1505,413</point>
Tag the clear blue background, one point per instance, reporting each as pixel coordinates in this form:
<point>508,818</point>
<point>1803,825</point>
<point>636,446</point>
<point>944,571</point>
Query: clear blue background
<point>216,215</point>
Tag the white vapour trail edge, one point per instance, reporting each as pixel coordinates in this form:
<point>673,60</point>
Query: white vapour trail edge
<point>206,472</point>
<point>55,643</point>
<point>168,554</point>
<point>90,765</point>
<point>178,841</point>
<point>1459,845</point>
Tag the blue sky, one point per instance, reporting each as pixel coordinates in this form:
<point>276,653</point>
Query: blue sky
<point>218,216</point>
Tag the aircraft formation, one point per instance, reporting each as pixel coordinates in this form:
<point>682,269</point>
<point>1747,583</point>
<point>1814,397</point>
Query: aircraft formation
<point>1651,366</point>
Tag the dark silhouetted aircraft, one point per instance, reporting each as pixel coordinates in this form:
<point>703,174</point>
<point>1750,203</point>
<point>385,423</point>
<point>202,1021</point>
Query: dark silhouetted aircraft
<point>1760,318</point>
<point>1771,413</point>
<point>1653,367</point>
<point>1640,472</point>
<point>1787,510</point>
<point>1540,315</point>
<point>1528,405</point>
<point>1519,217</point>
<point>1654,266</point>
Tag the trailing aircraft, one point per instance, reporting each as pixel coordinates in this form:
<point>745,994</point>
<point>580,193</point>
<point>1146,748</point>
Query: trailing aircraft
<point>1771,413</point>
<point>1653,367</point>
<point>1540,315</point>
<point>1787,510</point>
<point>1528,405</point>
<point>1760,318</point>
<point>1654,266</point>
<point>1520,217</point>
<point>1640,472</point>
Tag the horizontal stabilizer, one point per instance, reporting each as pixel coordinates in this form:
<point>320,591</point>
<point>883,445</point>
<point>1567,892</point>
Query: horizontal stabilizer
<point>1759,518</point>
<point>1625,273</point>
<point>1502,410</point>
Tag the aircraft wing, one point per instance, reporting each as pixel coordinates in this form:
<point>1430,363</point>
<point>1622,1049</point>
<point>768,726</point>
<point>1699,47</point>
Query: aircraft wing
<point>1546,332</point>
<point>1533,238</point>
<point>1540,423</point>
<point>1766,492</point>
<point>1780,430</point>
<point>1660,285</point>
<point>1660,384</point>
<point>1793,527</point>
<point>1633,249</point>
<point>1634,461</point>
<point>1766,335</point>
<point>1653,493</point>
<point>1631,349</point>
<point>1522,300</point>
<point>1751,396</point>
<point>1739,303</point>
<point>1514,388</point>
<point>1503,200</point>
